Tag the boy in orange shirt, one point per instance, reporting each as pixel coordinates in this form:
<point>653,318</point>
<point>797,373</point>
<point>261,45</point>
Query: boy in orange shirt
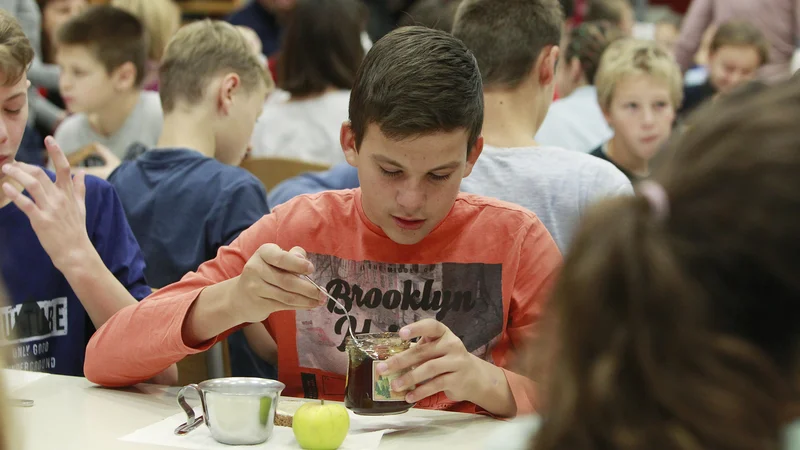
<point>469,275</point>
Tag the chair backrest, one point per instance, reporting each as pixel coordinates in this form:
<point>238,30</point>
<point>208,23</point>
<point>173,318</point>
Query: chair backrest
<point>272,171</point>
<point>78,157</point>
<point>197,368</point>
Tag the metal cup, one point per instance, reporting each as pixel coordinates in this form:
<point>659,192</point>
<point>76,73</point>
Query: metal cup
<point>238,411</point>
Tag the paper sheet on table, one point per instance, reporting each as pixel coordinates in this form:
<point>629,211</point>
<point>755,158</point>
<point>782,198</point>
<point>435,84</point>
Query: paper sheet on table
<point>365,432</point>
<point>162,433</point>
<point>15,379</point>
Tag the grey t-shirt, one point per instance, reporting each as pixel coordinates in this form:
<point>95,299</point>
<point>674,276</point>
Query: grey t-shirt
<point>143,125</point>
<point>556,184</point>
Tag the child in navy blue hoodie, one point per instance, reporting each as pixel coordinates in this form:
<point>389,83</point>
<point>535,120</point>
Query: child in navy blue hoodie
<point>186,198</point>
<point>67,255</point>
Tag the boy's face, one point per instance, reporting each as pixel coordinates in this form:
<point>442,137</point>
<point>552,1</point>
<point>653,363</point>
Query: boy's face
<point>730,66</point>
<point>13,118</point>
<point>409,186</point>
<point>85,84</point>
<point>641,114</point>
<point>236,128</point>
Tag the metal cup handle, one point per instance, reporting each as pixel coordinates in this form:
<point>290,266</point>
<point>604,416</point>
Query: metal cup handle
<point>192,422</point>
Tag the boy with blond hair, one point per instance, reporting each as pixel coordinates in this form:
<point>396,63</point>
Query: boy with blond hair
<point>186,198</point>
<point>400,253</point>
<point>737,51</point>
<point>103,58</point>
<point>68,257</point>
<point>639,87</point>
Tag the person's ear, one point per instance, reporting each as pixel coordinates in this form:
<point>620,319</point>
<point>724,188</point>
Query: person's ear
<point>228,88</point>
<point>474,153</point>
<point>124,77</point>
<point>547,65</point>
<point>347,138</point>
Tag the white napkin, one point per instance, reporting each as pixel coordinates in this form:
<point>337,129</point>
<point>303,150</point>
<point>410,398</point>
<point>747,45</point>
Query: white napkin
<point>162,433</point>
<point>365,431</point>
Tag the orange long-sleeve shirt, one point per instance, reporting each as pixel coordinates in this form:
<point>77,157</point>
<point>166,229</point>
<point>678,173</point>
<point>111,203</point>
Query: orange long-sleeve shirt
<point>485,272</point>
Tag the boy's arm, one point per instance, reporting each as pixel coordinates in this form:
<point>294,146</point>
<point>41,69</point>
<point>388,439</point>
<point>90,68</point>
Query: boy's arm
<point>539,263</point>
<point>141,340</point>
<point>261,342</point>
<point>57,213</point>
<point>249,207</point>
<point>697,19</point>
<point>245,283</point>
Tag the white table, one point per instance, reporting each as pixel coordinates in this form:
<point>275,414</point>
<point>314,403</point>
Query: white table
<point>72,413</point>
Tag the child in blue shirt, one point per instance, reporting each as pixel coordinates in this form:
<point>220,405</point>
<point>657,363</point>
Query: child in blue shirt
<point>186,198</point>
<point>68,257</point>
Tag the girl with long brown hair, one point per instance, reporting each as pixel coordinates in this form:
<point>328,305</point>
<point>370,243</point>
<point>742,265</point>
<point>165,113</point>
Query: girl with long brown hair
<point>677,314</point>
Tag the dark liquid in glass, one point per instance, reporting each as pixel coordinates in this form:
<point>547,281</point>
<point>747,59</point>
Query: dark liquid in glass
<point>361,379</point>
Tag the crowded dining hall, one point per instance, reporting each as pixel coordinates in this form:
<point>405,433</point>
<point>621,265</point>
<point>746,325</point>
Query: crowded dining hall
<point>384,224</point>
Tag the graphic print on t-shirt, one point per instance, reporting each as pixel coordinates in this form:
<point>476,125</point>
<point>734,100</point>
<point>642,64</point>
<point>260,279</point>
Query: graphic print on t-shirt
<point>27,327</point>
<point>467,298</point>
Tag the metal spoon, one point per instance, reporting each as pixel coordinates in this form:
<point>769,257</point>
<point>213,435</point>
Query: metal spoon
<point>349,319</point>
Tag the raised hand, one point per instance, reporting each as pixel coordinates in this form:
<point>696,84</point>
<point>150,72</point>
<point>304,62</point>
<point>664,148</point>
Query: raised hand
<point>57,211</point>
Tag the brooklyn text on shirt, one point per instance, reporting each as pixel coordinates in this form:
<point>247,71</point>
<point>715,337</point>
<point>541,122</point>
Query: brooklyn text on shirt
<point>466,297</point>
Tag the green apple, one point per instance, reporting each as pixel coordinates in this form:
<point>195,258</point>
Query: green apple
<point>320,426</point>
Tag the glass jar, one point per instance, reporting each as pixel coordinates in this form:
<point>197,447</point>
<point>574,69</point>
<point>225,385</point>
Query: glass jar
<point>368,393</point>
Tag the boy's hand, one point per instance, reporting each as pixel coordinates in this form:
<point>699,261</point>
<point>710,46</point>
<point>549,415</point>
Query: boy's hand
<point>269,283</point>
<point>441,363</point>
<point>58,211</point>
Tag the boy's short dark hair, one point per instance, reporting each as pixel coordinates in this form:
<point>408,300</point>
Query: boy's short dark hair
<point>416,81</point>
<point>607,10</point>
<point>587,42</point>
<point>740,33</point>
<point>436,14</point>
<point>508,36</point>
<point>113,35</point>
<point>321,46</point>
